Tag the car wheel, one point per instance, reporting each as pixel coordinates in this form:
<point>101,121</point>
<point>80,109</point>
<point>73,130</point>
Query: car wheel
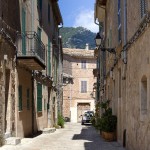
<point>82,123</point>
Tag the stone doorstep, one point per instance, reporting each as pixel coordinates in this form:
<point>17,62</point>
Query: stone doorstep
<point>7,135</point>
<point>12,141</point>
<point>48,130</point>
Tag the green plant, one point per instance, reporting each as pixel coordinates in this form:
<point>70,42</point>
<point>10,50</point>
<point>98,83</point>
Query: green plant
<point>93,121</point>
<point>107,122</point>
<point>60,121</point>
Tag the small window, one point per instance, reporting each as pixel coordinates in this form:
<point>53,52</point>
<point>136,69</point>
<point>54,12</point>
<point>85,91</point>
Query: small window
<point>28,99</point>
<point>39,4</point>
<point>48,12</point>
<point>83,86</point>
<point>83,64</point>
<point>144,95</point>
<point>20,97</point>
<point>143,7</point>
<point>39,97</point>
<point>119,20</point>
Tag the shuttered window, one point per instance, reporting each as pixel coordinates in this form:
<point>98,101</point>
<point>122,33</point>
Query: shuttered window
<point>83,86</point>
<point>23,31</point>
<point>39,4</point>
<point>28,99</point>
<point>39,97</point>
<point>143,7</point>
<point>20,97</point>
<point>83,64</point>
<point>39,33</point>
<point>48,12</point>
<point>49,57</point>
<point>119,20</point>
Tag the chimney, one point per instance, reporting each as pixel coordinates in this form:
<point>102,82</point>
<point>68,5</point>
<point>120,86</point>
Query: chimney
<point>87,46</point>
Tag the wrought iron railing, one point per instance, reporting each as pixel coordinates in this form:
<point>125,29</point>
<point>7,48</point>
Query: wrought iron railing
<point>29,44</point>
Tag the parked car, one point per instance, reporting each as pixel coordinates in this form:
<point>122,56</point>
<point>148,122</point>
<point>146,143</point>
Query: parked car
<point>87,117</point>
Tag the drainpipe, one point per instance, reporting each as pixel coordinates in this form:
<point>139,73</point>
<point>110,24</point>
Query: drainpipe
<point>32,80</point>
<point>32,15</point>
<point>125,31</point>
<point>125,40</point>
<point>59,71</point>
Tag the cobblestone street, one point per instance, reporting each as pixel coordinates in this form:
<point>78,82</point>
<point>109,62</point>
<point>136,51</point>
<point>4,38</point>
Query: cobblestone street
<point>73,137</point>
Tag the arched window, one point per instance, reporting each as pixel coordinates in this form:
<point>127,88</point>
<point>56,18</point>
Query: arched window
<point>144,95</point>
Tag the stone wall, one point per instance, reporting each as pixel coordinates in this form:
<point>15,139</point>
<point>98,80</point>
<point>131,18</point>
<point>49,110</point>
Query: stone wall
<point>124,88</point>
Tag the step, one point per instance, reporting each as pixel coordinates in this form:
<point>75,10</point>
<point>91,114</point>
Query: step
<point>7,135</point>
<point>48,130</point>
<point>12,141</point>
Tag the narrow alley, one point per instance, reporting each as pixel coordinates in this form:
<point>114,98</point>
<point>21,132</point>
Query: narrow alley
<point>73,137</point>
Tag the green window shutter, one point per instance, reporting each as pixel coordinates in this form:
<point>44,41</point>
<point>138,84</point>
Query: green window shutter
<point>48,12</point>
<point>20,97</point>
<point>39,4</point>
<point>39,33</point>
<point>49,57</point>
<point>23,31</point>
<point>39,97</point>
<point>28,99</point>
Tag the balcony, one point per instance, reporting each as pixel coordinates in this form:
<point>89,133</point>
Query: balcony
<point>31,51</point>
<point>96,72</point>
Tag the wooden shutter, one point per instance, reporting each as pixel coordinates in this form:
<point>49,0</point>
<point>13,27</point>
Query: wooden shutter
<point>83,64</point>
<point>48,12</point>
<point>39,97</point>
<point>20,97</point>
<point>23,31</point>
<point>28,99</point>
<point>39,33</point>
<point>143,7</point>
<point>83,86</point>
<point>49,57</point>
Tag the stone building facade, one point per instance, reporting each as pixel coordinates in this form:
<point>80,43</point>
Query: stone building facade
<point>78,96</point>
<point>30,51</point>
<point>126,28</point>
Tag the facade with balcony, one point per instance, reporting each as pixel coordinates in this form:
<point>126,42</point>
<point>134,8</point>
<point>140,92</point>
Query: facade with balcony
<point>29,66</point>
<point>126,77</point>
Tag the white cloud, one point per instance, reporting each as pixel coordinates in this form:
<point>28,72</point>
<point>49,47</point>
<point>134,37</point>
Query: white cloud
<point>85,18</point>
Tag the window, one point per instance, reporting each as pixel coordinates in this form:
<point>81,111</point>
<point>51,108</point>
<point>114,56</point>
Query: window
<point>23,31</point>
<point>83,64</point>
<point>119,20</point>
<point>20,97</point>
<point>48,13</point>
<point>120,83</point>
<point>143,7</point>
<point>39,39</point>
<point>144,95</point>
<point>39,32</point>
<point>28,99</point>
<point>39,4</point>
<point>39,97</point>
<point>83,86</point>
<point>49,57</point>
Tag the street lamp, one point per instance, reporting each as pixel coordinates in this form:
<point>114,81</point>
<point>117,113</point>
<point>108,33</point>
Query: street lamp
<point>98,41</point>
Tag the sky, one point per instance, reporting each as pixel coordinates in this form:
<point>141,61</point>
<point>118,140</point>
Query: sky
<point>77,13</point>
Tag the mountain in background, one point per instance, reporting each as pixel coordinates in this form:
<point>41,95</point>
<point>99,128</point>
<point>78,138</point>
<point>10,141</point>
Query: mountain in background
<point>77,37</point>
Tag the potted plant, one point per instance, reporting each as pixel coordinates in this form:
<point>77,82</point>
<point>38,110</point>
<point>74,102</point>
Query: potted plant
<point>107,122</point>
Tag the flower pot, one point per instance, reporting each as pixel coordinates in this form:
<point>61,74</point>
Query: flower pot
<point>109,136</point>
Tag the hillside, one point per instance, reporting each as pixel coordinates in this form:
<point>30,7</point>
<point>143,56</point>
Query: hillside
<point>77,37</point>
